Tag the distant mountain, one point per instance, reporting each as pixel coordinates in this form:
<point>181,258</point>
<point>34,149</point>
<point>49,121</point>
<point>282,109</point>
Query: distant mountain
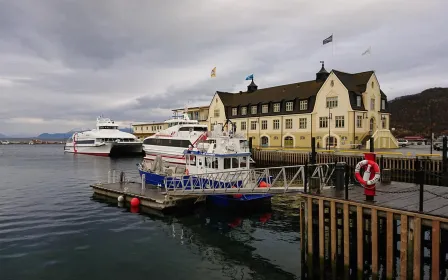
<point>412,115</point>
<point>3,136</point>
<point>69,134</point>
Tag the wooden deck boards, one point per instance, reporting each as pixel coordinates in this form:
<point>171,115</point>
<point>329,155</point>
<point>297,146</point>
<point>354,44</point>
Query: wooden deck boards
<point>395,195</point>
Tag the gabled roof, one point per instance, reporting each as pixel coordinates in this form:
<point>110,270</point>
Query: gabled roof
<point>302,90</point>
<point>354,82</point>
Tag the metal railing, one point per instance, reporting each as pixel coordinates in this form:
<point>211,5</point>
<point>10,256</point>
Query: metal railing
<point>276,180</point>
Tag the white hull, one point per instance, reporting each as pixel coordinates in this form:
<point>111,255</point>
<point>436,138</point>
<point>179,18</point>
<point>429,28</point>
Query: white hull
<point>104,149</point>
<point>168,154</point>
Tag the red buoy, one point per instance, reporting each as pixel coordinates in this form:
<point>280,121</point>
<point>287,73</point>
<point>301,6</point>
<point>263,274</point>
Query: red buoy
<point>237,195</point>
<point>263,184</point>
<point>135,202</point>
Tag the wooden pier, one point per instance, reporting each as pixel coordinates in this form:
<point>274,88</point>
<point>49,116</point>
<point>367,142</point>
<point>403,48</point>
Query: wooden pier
<point>149,196</point>
<point>369,238</point>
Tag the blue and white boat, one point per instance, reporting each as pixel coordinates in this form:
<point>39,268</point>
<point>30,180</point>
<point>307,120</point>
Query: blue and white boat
<point>218,162</point>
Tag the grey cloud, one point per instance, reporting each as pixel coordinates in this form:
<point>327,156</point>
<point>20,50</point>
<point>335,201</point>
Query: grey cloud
<point>136,60</point>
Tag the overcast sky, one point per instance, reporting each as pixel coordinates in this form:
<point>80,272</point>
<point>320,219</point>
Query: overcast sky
<point>62,63</point>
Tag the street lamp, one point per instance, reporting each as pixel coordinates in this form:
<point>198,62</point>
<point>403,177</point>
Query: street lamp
<point>329,127</point>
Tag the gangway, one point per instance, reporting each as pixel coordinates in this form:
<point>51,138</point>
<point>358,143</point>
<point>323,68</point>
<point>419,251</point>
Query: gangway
<point>277,180</point>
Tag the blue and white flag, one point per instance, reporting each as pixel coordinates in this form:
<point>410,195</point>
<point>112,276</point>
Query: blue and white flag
<point>328,40</point>
<point>250,77</point>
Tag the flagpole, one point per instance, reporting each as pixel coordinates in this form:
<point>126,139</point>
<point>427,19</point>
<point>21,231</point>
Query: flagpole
<point>332,45</point>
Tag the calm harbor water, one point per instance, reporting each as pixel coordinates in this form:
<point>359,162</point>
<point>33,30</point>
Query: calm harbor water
<point>52,228</point>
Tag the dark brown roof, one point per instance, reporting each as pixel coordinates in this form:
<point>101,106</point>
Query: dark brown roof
<point>354,82</point>
<point>302,90</point>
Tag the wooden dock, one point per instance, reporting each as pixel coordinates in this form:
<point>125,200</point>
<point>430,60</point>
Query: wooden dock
<point>370,237</point>
<point>149,196</point>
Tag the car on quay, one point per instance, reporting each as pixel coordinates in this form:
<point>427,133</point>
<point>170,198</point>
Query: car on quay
<point>403,142</point>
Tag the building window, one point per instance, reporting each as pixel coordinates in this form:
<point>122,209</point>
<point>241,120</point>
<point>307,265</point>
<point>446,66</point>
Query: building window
<point>332,83</point>
<point>243,110</point>
<point>253,125</point>
<point>372,104</point>
<point>359,121</point>
<point>276,124</point>
<point>302,123</point>
<point>384,122</point>
<point>216,113</point>
<point>289,106</point>
<point>288,123</point>
<point>253,110</point>
<point>277,107</point>
<point>264,125</point>
<point>383,104</point>
<point>358,101</point>
<point>303,104</point>
<point>339,122</point>
<point>243,125</point>
<point>332,102</point>
<point>234,111</point>
<point>373,84</point>
<point>323,122</point>
<point>289,142</point>
<point>264,109</point>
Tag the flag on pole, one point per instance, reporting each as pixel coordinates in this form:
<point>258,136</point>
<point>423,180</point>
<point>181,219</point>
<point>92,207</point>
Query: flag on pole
<point>366,51</point>
<point>213,73</point>
<point>328,40</point>
<point>250,77</point>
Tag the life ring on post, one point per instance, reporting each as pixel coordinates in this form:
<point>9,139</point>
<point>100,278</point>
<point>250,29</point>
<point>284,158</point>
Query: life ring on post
<point>376,172</point>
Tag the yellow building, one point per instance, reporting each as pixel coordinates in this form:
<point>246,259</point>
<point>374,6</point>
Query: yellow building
<point>340,109</point>
<point>194,113</point>
<point>143,130</point>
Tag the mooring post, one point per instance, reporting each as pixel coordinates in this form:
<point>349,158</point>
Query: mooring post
<point>445,161</point>
<point>113,176</point>
<point>339,173</point>
<point>108,177</point>
<point>420,181</point>
<point>313,150</point>
<point>305,183</point>
<point>143,182</point>
<point>347,178</point>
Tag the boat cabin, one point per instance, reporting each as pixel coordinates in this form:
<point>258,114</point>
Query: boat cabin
<point>198,162</point>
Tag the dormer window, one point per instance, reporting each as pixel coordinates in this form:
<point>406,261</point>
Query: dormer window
<point>234,111</point>
<point>243,111</point>
<point>253,110</point>
<point>276,107</point>
<point>264,109</point>
<point>358,101</point>
<point>383,104</point>
<point>289,106</point>
<point>303,104</point>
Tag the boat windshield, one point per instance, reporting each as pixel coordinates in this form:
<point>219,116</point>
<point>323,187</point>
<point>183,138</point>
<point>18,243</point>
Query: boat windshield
<point>108,127</point>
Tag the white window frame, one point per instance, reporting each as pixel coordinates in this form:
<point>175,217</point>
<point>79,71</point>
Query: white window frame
<point>253,109</point>
<point>264,125</point>
<point>358,101</point>
<point>383,104</point>
<point>323,122</point>
<point>288,123</point>
<point>234,111</point>
<point>358,121</point>
<point>243,125</point>
<point>302,123</point>
<point>264,108</point>
<point>276,124</point>
<point>332,102</point>
<point>339,122</point>
<point>289,106</point>
<point>243,111</point>
<point>372,104</point>
<point>253,125</point>
<point>303,104</point>
<point>216,113</point>
<point>276,107</point>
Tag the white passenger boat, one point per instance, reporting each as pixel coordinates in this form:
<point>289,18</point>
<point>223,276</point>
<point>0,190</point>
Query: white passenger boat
<point>182,134</point>
<point>105,140</point>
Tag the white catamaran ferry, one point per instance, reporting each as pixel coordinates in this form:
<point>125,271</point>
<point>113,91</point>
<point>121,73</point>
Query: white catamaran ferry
<point>105,140</point>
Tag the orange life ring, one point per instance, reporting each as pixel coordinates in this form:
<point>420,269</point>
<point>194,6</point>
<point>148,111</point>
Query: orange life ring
<point>374,176</point>
<point>237,195</point>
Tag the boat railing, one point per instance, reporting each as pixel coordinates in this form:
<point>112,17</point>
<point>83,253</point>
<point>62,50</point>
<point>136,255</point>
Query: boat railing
<point>283,179</point>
